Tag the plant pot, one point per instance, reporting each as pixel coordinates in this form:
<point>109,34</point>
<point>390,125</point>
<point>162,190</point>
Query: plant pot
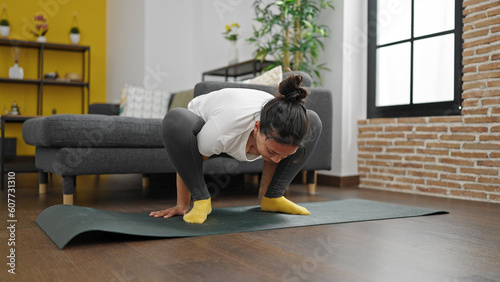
<point>42,39</point>
<point>16,72</point>
<point>74,37</point>
<point>233,52</point>
<point>4,30</point>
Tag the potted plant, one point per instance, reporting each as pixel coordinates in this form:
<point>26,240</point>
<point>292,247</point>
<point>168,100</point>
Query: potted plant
<point>74,35</point>
<point>4,23</point>
<point>289,31</point>
<point>41,28</point>
<point>231,34</point>
<point>4,27</point>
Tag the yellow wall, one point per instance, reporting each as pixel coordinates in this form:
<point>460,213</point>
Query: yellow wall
<point>91,19</point>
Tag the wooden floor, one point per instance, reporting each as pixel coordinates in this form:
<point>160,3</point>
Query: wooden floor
<point>461,246</point>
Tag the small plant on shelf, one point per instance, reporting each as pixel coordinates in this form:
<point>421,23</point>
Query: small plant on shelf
<point>4,23</point>
<point>41,28</point>
<point>231,33</point>
<point>74,32</point>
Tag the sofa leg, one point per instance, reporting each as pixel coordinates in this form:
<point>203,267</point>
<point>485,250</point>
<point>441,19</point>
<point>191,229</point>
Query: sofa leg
<point>43,180</point>
<point>42,188</point>
<point>252,179</point>
<point>311,182</point>
<point>256,179</point>
<point>68,199</point>
<point>248,178</point>
<point>69,185</point>
<point>145,181</point>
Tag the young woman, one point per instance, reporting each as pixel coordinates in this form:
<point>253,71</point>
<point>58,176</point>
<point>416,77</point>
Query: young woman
<point>247,125</point>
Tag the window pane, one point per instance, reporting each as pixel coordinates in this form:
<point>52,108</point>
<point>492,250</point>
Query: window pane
<point>393,75</point>
<point>433,16</point>
<point>433,71</point>
<point>393,21</point>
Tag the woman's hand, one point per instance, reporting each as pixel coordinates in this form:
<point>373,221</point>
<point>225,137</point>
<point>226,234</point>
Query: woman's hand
<point>267,175</point>
<point>170,212</point>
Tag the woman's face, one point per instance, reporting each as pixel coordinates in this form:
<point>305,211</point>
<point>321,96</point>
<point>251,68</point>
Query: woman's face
<point>270,149</point>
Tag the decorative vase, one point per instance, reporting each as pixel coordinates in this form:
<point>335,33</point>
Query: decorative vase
<point>233,52</point>
<point>14,110</point>
<point>4,30</point>
<point>16,72</point>
<point>41,39</point>
<point>74,37</point>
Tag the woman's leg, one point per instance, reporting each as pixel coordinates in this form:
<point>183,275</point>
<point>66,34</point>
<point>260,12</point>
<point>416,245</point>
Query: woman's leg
<point>179,129</point>
<point>288,168</point>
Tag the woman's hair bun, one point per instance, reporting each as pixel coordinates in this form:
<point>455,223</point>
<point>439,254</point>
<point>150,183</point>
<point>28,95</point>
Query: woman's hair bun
<point>292,90</point>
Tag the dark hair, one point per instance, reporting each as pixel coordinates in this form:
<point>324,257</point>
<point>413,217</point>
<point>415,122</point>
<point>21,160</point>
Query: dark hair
<point>284,118</point>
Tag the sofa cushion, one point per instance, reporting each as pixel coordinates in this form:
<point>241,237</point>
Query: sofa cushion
<point>94,131</point>
<point>182,99</point>
<point>143,103</point>
<point>270,77</point>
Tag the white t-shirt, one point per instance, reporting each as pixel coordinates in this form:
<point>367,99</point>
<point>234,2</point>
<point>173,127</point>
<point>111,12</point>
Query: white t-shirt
<point>230,115</point>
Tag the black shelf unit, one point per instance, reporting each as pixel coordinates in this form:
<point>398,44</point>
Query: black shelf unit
<point>40,82</point>
<point>239,69</point>
<point>27,164</point>
<point>18,164</point>
<point>21,165</point>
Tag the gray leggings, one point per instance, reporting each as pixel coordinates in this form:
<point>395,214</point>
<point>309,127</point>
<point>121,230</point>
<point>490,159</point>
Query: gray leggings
<point>179,129</point>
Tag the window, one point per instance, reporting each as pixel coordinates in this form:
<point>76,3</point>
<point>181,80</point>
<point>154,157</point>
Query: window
<point>414,58</point>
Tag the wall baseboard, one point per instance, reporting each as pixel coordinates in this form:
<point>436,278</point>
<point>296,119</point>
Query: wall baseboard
<point>338,181</point>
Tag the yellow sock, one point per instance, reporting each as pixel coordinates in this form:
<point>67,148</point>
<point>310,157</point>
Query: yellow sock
<point>282,204</point>
<point>198,214</point>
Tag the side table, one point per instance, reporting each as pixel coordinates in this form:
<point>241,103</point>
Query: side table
<point>239,69</point>
<point>23,167</point>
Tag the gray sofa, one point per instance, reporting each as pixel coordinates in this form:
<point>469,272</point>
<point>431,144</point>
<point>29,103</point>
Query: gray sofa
<point>102,142</point>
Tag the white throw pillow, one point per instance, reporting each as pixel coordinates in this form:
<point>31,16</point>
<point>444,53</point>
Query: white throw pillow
<point>142,103</point>
<point>271,77</point>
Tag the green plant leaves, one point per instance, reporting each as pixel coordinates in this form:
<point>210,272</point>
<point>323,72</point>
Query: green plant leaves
<point>289,31</point>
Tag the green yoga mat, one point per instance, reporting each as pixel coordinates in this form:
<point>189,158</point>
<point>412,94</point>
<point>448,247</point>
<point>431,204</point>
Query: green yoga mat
<point>62,222</point>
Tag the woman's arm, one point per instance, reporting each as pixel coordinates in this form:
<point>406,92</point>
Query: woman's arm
<point>183,195</point>
<point>183,200</point>
<point>267,175</point>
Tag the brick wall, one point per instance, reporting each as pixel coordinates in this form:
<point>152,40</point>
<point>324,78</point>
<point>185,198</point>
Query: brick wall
<point>457,156</point>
